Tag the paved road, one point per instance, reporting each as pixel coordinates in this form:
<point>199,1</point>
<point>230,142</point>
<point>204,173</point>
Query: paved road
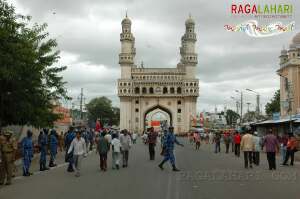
<point>204,175</point>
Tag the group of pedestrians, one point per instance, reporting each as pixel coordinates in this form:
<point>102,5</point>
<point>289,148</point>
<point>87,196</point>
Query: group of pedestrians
<point>251,144</point>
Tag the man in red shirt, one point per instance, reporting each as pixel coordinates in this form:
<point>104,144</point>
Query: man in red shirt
<point>237,143</point>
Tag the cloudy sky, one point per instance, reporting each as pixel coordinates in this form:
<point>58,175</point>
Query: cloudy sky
<point>88,31</point>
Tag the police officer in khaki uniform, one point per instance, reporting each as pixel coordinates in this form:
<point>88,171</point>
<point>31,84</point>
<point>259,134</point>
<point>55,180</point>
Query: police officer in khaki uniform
<point>8,150</point>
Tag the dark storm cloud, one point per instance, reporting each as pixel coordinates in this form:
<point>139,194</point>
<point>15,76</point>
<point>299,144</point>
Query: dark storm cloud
<point>88,33</point>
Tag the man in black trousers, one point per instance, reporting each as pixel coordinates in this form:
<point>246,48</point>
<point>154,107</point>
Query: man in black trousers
<point>152,137</point>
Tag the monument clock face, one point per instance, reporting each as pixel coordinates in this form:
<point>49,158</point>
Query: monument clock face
<point>158,90</point>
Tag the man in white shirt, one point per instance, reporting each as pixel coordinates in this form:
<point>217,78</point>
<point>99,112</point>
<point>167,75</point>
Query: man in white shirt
<point>126,143</point>
<point>78,147</point>
<point>116,150</point>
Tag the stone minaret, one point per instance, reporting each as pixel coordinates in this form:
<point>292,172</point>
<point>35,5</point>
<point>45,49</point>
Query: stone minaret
<point>187,49</point>
<point>126,57</point>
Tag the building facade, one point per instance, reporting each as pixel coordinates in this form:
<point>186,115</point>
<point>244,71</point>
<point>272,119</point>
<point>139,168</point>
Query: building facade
<point>142,90</point>
<point>289,73</point>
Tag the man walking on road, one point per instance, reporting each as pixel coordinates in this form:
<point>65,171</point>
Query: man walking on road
<point>78,147</point>
<point>53,148</point>
<point>292,145</point>
<point>237,144</point>
<point>227,141</point>
<point>257,146</point>
<point>69,156</point>
<point>217,140</point>
<point>247,146</point>
<point>126,143</point>
<point>43,143</point>
<point>116,149</point>
<point>272,146</point>
<point>103,148</point>
<point>27,153</point>
<point>152,137</point>
<point>168,149</point>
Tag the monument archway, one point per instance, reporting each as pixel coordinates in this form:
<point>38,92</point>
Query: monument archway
<point>157,117</point>
<point>169,92</point>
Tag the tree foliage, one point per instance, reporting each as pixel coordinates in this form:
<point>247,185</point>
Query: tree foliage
<point>231,117</point>
<point>28,78</point>
<point>101,108</point>
<point>274,105</point>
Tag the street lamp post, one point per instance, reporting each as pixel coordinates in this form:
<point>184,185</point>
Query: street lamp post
<point>257,100</point>
<point>238,91</point>
<point>236,103</point>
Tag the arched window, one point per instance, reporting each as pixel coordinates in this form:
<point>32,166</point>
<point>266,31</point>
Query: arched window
<point>165,90</point>
<point>191,84</point>
<point>191,90</point>
<point>179,90</point>
<point>137,90</point>
<point>151,90</point>
<point>172,90</point>
<point>144,90</point>
<point>124,91</point>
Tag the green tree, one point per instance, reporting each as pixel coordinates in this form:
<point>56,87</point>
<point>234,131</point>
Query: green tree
<point>274,105</point>
<point>101,108</point>
<point>231,117</point>
<point>29,80</point>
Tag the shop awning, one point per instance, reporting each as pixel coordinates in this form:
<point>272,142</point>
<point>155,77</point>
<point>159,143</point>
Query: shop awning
<point>277,121</point>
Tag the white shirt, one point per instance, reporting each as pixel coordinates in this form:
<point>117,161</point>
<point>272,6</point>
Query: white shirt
<point>78,145</point>
<point>108,137</point>
<point>134,136</point>
<point>125,142</point>
<point>116,144</point>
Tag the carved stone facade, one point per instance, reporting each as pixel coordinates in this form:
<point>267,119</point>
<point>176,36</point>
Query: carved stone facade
<point>172,90</point>
<point>289,73</point>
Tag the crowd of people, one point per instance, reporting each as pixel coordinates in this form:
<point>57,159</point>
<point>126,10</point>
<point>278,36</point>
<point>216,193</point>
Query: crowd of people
<point>251,144</point>
<point>77,142</point>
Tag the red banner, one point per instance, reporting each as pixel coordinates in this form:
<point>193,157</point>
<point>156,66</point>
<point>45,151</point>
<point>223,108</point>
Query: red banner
<point>155,123</point>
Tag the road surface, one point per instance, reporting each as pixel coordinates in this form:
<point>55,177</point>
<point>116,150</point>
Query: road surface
<point>204,175</point>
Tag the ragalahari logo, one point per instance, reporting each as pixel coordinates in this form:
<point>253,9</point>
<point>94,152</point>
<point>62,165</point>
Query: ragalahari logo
<point>262,11</point>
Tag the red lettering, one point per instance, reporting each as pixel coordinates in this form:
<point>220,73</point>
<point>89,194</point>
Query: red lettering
<point>233,9</point>
<point>247,8</point>
<point>254,10</point>
<point>241,10</point>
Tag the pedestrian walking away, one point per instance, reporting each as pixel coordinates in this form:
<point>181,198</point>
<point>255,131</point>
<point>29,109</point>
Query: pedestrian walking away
<point>43,143</point>
<point>168,149</point>
<point>197,141</point>
<point>237,144</point>
<point>126,143</point>
<point>247,146</point>
<point>217,140</point>
<point>292,145</point>
<point>79,150</point>
<point>257,146</point>
<point>283,140</point>
<point>271,145</point>
<point>69,156</point>
<point>103,148</point>
<point>53,142</point>
<point>116,150</point>
<point>227,141</point>
<point>27,153</point>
